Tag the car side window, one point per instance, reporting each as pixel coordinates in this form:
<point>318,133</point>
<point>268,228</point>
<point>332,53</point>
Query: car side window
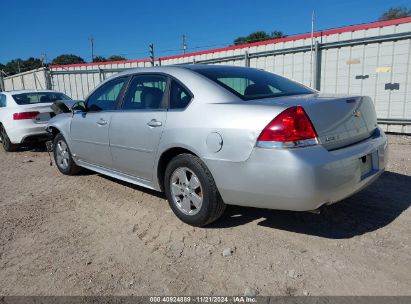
<point>179,96</point>
<point>145,92</point>
<point>2,100</point>
<point>105,98</point>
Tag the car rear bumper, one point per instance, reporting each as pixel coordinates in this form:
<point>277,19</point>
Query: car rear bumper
<point>299,179</point>
<point>32,133</point>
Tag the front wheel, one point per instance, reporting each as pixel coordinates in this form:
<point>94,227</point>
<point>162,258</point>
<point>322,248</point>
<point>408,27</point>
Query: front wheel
<point>5,141</point>
<point>62,156</point>
<point>191,191</point>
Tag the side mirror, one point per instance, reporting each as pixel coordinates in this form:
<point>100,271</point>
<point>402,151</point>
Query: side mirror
<point>78,106</point>
<point>67,106</point>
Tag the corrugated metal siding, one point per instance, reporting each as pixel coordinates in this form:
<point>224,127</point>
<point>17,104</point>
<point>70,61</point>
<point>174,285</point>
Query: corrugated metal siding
<point>351,67</point>
<point>34,79</point>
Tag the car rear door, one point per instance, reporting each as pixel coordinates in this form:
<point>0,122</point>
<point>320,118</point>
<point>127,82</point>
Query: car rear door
<point>90,129</point>
<point>136,129</point>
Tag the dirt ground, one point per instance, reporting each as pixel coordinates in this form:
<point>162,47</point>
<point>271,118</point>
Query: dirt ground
<point>91,235</point>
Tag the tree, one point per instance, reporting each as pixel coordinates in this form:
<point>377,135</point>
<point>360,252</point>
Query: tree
<point>258,36</point>
<point>277,34</point>
<point>116,58</point>
<point>395,13</point>
<point>18,65</point>
<point>32,63</point>
<point>67,59</point>
<point>111,58</point>
<point>13,66</point>
<point>240,40</point>
<point>99,59</point>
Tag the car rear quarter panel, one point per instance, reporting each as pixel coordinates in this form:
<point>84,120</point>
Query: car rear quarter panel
<point>298,179</point>
<point>238,125</point>
<point>62,123</point>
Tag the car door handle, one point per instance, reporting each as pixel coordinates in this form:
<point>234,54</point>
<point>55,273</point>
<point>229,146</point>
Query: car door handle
<point>102,122</point>
<point>154,123</point>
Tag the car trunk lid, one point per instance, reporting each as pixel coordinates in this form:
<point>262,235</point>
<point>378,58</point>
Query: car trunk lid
<point>44,109</point>
<point>338,120</point>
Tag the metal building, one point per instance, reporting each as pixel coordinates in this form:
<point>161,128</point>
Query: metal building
<point>371,59</point>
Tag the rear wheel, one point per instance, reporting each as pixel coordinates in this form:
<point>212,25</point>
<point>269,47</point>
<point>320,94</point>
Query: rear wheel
<point>62,156</point>
<point>5,141</point>
<point>191,191</point>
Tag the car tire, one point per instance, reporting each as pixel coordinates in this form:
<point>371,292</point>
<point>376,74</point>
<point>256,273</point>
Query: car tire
<point>63,158</point>
<point>191,191</point>
<point>5,140</point>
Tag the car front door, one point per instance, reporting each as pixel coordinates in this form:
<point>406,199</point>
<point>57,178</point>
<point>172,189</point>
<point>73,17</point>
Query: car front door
<point>136,129</point>
<point>90,129</point>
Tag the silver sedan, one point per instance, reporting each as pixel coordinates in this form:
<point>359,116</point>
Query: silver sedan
<point>214,135</point>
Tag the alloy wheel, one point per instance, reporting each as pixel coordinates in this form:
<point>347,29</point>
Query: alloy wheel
<point>186,190</point>
<point>62,155</point>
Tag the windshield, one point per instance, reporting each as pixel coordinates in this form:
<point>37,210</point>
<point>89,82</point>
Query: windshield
<point>39,97</point>
<point>253,84</point>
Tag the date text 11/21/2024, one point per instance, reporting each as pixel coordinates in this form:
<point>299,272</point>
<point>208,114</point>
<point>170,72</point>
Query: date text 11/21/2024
<point>203,299</point>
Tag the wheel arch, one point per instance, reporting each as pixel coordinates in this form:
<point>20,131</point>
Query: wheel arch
<point>165,159</point>
<point>53,131</point>
<point>1,125</point>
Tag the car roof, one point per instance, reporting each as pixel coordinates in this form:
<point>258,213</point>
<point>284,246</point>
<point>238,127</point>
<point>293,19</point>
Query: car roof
<point>29,91</point>
<point>171,68</point>
<point>154,69</point>
<point>195,67</point>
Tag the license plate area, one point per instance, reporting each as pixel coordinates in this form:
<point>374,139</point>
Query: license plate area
<point>42,117</point>
<point>368,165</point>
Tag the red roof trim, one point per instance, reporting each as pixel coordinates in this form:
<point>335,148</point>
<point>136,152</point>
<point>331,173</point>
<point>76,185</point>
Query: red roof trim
<point>98,63</point>
<point>298,37</point>
<point>243,46</point>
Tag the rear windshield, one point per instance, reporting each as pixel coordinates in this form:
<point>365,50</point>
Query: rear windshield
<point>253,84</point>
<point>39,97</point>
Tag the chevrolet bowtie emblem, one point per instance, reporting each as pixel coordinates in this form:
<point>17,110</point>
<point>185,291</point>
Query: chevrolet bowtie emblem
<point>357,113</point>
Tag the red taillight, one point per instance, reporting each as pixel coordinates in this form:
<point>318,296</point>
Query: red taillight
<point>25,115</point>
<point>291,125</point>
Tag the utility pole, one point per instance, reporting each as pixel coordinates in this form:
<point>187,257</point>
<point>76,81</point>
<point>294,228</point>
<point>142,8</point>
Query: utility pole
<point>43,57</point>
<point>184,44</point>
<point>311,50</point>
<point>2,80</point>
<point>151,54</point>
<point>91,39</point>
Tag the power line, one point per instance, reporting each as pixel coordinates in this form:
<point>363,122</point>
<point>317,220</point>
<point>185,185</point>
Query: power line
<point>143,52</point>
<point>184,48</point>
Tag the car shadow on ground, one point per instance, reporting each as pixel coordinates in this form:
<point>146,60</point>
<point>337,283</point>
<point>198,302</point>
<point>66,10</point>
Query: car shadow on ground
<point>371,209</point>
<point>135,187</point>
<point>35,147</point>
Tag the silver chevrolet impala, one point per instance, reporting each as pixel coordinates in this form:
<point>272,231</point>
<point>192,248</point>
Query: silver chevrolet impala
<point>211,135</point>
